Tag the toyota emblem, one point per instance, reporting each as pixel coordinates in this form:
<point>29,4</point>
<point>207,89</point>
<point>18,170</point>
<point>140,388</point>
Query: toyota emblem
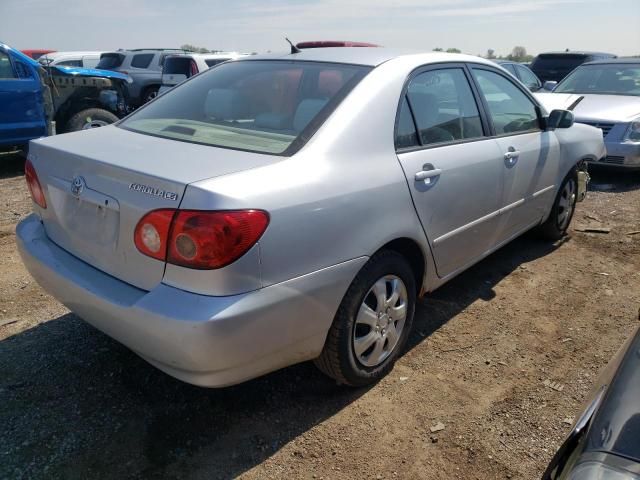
<point>77,186</point>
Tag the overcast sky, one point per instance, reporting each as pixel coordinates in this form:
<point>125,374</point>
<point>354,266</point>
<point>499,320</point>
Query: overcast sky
<point>259,25</point>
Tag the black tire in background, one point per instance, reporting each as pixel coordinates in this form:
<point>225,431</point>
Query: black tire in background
<point>338,358</point>
<point>90,118</point>
<point>555,227</point>
<point>150,93</point>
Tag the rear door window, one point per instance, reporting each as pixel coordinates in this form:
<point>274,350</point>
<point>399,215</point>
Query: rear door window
<point>444,107</point>
<point>141,60</point>
<point>89,62</point>
<point>511,111</point>
<point>527,77</point>
<point>262,106</point>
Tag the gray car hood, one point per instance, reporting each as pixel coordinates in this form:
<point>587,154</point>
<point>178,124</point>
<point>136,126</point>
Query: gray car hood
<point>613,108</point>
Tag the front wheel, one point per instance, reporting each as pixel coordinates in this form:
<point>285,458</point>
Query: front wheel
<point>555,227</point>
<point>373,322</point>
<point>90,118</point>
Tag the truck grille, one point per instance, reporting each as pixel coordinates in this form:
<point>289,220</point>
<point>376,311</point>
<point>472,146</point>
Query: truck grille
<point>613,159</point>
<point>605,127</point>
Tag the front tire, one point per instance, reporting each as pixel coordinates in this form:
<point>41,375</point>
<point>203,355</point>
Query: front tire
<point>149,94</point>
<point>373,322</point>
<point>564,206</point>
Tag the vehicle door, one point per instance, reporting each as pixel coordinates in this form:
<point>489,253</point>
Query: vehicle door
<point>530,155</point>
<point>22,112</point>
<point>454,171</point>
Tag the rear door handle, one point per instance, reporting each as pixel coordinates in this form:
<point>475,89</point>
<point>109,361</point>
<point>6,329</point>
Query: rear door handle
<point>424,174</point>
<point>511,154</point>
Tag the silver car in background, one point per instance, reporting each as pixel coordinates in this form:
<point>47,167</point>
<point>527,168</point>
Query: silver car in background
<point>605,94</point>
<point>283,208</point>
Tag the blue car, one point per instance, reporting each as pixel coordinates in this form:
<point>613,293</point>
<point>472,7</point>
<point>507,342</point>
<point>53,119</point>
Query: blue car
<point>37,101</point>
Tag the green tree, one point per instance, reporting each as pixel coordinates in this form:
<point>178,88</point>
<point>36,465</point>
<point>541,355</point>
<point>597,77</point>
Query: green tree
<point>438,49</point>
<point>453,50</point>
<point>491,54</point>
<point>193,48</point>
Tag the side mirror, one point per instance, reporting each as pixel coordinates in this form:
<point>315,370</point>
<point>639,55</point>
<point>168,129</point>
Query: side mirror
<point>549,85</point>
<point>560,119</point>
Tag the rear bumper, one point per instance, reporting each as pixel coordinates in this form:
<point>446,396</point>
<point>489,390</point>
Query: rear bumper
<point>622,155</point>
<point>207,341</point>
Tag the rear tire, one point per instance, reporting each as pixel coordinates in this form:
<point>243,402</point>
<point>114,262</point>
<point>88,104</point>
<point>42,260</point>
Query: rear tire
<point>564,206</point>
<point>372,323</point>
<point>149,94</point>
<point>90,118</point>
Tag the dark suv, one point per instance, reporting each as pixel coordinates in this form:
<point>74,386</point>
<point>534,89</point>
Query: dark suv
<point>554,66</point>
<point>144,66</point>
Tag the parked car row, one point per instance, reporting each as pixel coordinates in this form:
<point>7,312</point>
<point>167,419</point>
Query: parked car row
<point>606,95</point>
<point>38,100</point>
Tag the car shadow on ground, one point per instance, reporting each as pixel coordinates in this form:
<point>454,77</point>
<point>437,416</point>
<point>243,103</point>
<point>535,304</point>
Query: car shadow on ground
<point>613,180</point>
<point>11,165</point>
<point>74,403</point>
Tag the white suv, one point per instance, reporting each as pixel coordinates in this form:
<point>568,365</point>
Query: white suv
<point>177,68</point>
<point>71,59</point>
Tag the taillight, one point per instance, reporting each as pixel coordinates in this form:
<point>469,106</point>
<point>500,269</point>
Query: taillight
<point>34,184</point>
<point>193,68</point>
<point>199,239</point>
<point>152,233</point>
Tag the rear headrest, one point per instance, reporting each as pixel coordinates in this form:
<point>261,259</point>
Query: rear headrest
<point>329,82</point>
<point>222,104</point>
<point>306,111</point>
<point>425,108</point>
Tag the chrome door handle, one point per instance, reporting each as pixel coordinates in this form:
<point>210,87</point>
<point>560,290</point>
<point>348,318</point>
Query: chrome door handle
<point>511,154</point>
<point>424,174</point>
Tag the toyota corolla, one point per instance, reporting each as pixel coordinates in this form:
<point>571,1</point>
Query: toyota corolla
<point>283,208</point>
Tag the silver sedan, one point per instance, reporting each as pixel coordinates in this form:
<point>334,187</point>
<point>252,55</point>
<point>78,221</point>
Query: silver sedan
<point>283,208</point>
<point>606,95</point>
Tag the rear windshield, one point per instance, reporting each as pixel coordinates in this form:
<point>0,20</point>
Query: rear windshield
<point>110,60</point>
<point>612,79</point>
<point>558,62</point>
<point>177,65</point>
<point>261,106</point>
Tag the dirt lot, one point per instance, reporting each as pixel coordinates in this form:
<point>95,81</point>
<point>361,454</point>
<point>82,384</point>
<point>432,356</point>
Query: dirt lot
<point>75,404</point>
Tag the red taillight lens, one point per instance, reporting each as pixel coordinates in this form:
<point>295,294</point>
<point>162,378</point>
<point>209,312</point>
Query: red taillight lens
<point>199,239</point>
<point>152,233</point>
<point>193,68</point>
<point>34,184</point>
<point>207,240</point>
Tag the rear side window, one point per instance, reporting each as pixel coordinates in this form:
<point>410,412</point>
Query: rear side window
<point>141,60</point>
<point>509,68</point>
<point>6,70</point>
<point>510,109</point>
<point>406,136</point>
<point>443,107</point>
<point>70,63</point>
<point>215,61</point>
<point>262,106</point>
<point>89,62</point>
<point>110,60</point>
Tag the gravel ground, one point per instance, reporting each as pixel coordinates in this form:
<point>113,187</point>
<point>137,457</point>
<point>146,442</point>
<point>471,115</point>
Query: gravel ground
<point>76,404</point>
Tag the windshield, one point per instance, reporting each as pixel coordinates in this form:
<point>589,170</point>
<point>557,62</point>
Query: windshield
<point>262,106</point>
<point>613,79</point>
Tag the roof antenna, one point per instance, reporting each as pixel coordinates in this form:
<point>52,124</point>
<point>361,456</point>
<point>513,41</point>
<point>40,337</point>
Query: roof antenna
<point>294,49</point>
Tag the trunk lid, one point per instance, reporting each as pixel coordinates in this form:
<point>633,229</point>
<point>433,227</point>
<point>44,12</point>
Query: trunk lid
<point>99,183</point>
